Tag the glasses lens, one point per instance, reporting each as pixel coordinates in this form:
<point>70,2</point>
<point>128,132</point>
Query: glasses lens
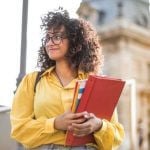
<point>56,39</point>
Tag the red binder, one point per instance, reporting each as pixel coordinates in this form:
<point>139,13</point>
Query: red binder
<point>100,97</point>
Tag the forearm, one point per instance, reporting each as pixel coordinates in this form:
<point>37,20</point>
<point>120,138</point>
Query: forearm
<point>31,132</point>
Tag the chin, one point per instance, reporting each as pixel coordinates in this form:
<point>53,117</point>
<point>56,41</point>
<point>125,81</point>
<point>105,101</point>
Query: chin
<point>54,58</point>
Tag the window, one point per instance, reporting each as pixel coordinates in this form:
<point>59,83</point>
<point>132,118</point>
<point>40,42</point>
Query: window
<point>101,16</point>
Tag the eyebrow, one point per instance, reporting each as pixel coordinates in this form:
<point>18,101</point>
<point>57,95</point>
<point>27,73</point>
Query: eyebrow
<point>56,32</point>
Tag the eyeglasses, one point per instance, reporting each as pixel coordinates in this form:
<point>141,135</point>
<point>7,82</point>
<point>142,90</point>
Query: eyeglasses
<point>55,39</point>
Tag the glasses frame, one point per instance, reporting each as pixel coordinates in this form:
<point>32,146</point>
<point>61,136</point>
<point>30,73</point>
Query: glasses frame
<point>54,39</point>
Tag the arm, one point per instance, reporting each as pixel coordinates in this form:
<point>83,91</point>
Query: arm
<point>25,129</point>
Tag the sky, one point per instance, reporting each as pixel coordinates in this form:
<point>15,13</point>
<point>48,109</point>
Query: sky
<point>10,39</point>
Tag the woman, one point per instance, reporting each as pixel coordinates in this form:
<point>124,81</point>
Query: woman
<point>70,51</point>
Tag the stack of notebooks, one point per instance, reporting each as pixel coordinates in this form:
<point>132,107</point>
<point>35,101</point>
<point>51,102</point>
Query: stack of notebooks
<point>98,95</point>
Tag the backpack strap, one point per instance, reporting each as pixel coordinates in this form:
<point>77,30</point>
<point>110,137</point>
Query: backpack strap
<point>38,77</point>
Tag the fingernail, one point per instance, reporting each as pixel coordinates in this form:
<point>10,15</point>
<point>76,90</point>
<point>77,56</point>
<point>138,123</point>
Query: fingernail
<point>85,116</point>
<point>69,128</point>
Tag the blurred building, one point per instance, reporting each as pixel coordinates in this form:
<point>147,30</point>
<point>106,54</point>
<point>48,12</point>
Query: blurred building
<point>6,143</point>
<point>124,30</point>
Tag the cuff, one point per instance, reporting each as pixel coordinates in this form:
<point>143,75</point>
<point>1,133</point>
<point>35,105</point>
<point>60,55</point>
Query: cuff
<point>49,125</point>
<point>103,128</point>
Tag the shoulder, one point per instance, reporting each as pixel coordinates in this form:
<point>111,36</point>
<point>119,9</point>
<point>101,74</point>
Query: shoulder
<point>31,76</point>
<point>28,79</point>
<point>27,83</point>
<point>35,75</point>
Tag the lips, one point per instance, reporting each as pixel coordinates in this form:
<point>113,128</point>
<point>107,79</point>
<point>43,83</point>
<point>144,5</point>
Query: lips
<point>53,49</point>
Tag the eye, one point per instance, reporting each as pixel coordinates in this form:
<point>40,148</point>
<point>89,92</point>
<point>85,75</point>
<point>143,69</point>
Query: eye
<point>57,37</point>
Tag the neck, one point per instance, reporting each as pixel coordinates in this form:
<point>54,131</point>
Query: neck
<point>63,69</point>
<point>65,73</point>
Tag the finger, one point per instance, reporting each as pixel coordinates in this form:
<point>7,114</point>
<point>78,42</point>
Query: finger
<point>87,116</point>
<point>81,114</point>
<point>79,135</point>
<point>91,115</point>
<point>84,131</point>
<point>81,126</point>
<point>70,128</point>
<point>79,120</point>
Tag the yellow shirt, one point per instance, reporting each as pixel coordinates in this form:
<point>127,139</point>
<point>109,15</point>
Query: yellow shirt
<point>33,114</point>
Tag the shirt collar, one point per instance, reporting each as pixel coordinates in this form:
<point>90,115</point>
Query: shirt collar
<point>48,71</point>
<point>81,74</point>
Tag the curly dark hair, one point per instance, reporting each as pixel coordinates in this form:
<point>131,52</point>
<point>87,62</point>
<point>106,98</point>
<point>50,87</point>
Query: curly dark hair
<point>84,49</point>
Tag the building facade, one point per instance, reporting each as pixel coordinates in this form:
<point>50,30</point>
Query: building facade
<point>124,30</point>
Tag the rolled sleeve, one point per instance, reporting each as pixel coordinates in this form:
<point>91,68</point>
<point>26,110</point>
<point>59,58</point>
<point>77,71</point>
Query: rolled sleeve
<point>110,135</point>
<point>49,126</point>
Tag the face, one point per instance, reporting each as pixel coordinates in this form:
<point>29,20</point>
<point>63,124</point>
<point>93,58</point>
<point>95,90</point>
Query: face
<point>56,44</point>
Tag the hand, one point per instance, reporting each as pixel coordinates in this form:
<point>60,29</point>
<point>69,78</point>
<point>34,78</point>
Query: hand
<point>65,120</point>
<point>91,125</point>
